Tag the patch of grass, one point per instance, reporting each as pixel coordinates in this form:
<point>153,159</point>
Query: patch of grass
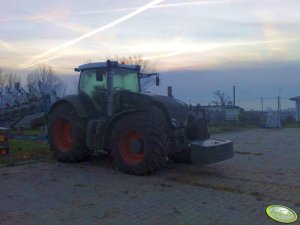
<point>25,150</point>
<point>37,132</point>
<point>292,125</point>
<point>214,129</point>
<point>218,129</point>
<point>27,146</point>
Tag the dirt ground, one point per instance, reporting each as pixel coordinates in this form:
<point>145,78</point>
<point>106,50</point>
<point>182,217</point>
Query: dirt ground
<point>265,170</point>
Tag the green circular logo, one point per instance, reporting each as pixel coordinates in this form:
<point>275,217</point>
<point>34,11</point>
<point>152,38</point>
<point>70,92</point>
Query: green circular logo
<point>281,214</point>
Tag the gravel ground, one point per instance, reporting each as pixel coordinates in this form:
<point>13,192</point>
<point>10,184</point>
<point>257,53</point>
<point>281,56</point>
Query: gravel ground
<point>264,171</point>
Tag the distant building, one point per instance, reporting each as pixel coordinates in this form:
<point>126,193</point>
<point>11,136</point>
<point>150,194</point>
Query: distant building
<point>225,113</point>
<point>297,100</point>
<point>273,120</point>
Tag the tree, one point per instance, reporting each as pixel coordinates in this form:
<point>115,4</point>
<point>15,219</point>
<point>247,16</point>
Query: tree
<point>2,88</point>
<point>2,80</point>
<point>43,81</point>
<point>11,92</point>
<point>146,83</point>
<point>8,80</point>
<point>220,98</point>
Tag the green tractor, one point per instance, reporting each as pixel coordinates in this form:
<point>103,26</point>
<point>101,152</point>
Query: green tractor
<point>140,131</point>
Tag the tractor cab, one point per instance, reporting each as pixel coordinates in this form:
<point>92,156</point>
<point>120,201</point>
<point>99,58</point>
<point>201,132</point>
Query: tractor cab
<point>93,77</point>
<point>101,81</point>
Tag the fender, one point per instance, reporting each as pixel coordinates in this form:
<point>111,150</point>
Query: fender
<point>161,112</point>
<point>111,123</point>
<point>75,101</point>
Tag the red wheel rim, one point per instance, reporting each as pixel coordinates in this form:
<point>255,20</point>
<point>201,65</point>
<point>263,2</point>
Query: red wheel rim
<point>127,153</point>
<point>63,135</point>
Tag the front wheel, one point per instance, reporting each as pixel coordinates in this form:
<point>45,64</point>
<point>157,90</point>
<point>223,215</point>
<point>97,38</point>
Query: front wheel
<point>67,134</point>
<point>138,144</point>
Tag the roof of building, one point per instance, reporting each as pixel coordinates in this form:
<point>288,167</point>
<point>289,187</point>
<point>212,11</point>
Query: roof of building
<point>297,98</point>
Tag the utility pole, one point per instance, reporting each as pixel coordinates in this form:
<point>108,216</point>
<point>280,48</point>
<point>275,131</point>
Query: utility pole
<point>234,95</point>
<point>279,103</point>
<point>262,104</point>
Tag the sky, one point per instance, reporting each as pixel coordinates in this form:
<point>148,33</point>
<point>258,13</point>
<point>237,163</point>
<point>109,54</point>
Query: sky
<point>197,46</point>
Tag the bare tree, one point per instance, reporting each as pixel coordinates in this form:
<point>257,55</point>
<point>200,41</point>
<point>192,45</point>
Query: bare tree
<point>43,81</point>
<point>2,88</point>
<point>8,79</point>
<point>146,83</point>
<point>74,88</point>
<point>2,80</point>
<point>220,98</point>
<point>10,89</point>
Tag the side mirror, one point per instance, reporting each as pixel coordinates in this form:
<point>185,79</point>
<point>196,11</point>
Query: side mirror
<point>157,80</point>
<point>99,75</point>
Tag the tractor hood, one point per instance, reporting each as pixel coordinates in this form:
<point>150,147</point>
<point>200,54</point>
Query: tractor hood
<point>177,109</point>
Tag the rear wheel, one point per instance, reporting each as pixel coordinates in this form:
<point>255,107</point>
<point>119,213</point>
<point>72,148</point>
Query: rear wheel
<point>138,144</point>
<point>67,134</point>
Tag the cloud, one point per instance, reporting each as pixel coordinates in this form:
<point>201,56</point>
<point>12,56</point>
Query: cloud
<point>93,32</point>
<point>195,48</point>
<point>160,6</point>
<point>8,46</point>
<point>68,26</point>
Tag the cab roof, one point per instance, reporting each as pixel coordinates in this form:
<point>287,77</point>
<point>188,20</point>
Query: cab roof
<point>114,64</point>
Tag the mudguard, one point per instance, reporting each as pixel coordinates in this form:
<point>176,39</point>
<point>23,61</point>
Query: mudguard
<point>110,123</point>
<point>81,106</point>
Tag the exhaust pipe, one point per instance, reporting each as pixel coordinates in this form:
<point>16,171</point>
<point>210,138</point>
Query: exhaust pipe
<point>170,94</point>
<point>109,82</point>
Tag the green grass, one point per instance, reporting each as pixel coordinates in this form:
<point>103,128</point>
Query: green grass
<point>25,150</point>
<point>218,129</point>
<point>28,146</point>
<point>29,132</point>
<point>213,129</point>
<point>292,125</point>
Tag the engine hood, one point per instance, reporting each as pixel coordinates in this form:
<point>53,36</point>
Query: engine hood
<point>177,109</point>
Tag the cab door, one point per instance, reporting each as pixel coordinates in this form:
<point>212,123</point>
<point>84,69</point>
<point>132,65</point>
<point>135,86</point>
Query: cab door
<point>92,84</point>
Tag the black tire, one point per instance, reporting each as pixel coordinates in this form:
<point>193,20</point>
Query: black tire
<point>67,134</point>
<point>140,127</point>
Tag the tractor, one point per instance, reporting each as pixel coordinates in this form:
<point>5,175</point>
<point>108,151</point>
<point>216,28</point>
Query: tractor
<point>139,131</point>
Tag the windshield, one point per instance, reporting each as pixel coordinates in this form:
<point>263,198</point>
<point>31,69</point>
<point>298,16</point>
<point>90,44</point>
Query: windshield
<point>126,79</point>
<point>123,79</point>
